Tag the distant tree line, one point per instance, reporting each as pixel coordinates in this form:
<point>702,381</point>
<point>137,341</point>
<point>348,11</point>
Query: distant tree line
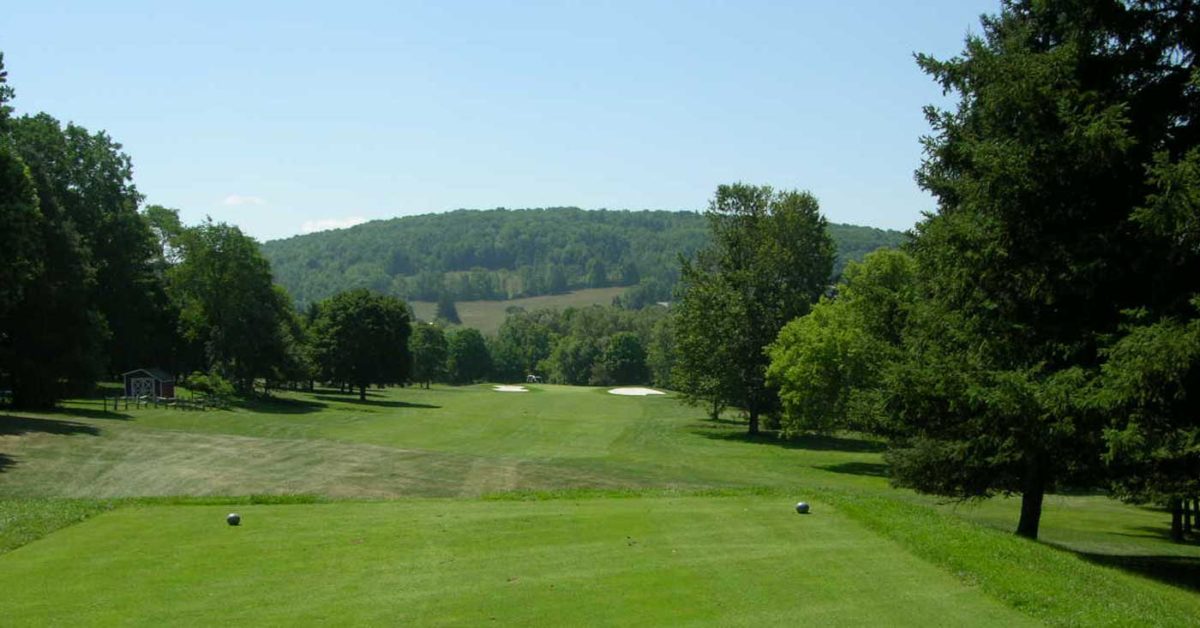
<point>596,345</point>
<point>504,254</point>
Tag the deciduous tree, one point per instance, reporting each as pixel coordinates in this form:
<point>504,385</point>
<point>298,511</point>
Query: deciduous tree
<point>231,315</point>
<point>624,360</point>
<point>467,357</point>
<point>834,355</point>
<point>770,260</point>
<point>361,338</point>
<point>429,353</point>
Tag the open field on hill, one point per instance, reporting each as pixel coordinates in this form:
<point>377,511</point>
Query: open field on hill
<point>486,316</point>
<point>626,505</point>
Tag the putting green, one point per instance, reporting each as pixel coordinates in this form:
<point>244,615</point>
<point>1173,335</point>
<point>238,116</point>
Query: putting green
<point>739,560</point>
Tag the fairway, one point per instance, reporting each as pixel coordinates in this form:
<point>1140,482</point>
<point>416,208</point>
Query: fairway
<point>718,561</point>
<point>562,505</point>
<point>445,441</point>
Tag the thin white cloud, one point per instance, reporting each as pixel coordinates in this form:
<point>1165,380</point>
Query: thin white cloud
<point>238,199</point>
<point>311,226</point>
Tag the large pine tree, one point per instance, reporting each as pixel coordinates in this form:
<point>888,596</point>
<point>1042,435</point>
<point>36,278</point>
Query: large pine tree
<point>1034,252</point>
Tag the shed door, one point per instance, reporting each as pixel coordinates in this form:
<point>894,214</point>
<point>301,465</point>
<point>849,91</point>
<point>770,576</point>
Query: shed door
<point>142,386</point>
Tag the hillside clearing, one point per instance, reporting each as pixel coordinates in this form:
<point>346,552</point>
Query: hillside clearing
<point>486,316</point>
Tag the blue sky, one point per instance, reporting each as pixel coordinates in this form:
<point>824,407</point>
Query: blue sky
<point>292,116</point>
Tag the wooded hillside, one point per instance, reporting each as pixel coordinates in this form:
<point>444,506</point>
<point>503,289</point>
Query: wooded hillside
<point>504,254</point>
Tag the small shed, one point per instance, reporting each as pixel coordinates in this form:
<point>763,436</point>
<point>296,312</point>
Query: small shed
<point>149,382</point>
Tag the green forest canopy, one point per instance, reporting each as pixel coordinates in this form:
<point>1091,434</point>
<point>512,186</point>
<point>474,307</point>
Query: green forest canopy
<point>505,254</point>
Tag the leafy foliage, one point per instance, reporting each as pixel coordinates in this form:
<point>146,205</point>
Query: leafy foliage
<point>232,318</point>
<point>211,385</point>
<point>834,356</point>
<point>504,254</point>
<point>429,353</point>
<point>89,181</point>
<point>467,358</point>
<point>361,338</point>
<point>53,335</point>
<point>623,360</point>
<point>771,259</point>
<point>20,246</point>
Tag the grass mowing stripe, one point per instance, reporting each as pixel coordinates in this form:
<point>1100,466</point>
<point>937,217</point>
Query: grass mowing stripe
<point>25,520</point>
<point>1050,584</point>
<point>657,561</point>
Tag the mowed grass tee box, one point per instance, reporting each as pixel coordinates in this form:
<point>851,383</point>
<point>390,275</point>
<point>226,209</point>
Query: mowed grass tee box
<point>555,506</point>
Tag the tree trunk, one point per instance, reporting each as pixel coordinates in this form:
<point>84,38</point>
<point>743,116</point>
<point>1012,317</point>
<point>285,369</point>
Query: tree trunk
<point>1187,516</point>
<point>1176,519</point>
<point>362,393</point>
<point>1031,501</point>
<point>754,422</point>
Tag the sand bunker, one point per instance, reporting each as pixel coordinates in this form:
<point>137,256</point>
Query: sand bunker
<point>635,392</point>
<point>503,388</point>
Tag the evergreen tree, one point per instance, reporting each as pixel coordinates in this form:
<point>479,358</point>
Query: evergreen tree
<point>446,310</point>
<point>1032,255</point>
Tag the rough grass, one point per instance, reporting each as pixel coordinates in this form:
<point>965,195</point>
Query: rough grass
<point>487,316</point>
<point>1058,587</point>
<point>26,520</point>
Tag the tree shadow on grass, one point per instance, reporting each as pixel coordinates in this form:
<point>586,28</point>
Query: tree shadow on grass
<point>809,442</point>
<point>872,469</point>
<point>1180,571</point>
<point>1162,532</point>
<point>92,413</point>
<point>277,405</point>
<point>6,461</point>
<point>353,399</point>
<point>16,426</point>
<point>725,421</point>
